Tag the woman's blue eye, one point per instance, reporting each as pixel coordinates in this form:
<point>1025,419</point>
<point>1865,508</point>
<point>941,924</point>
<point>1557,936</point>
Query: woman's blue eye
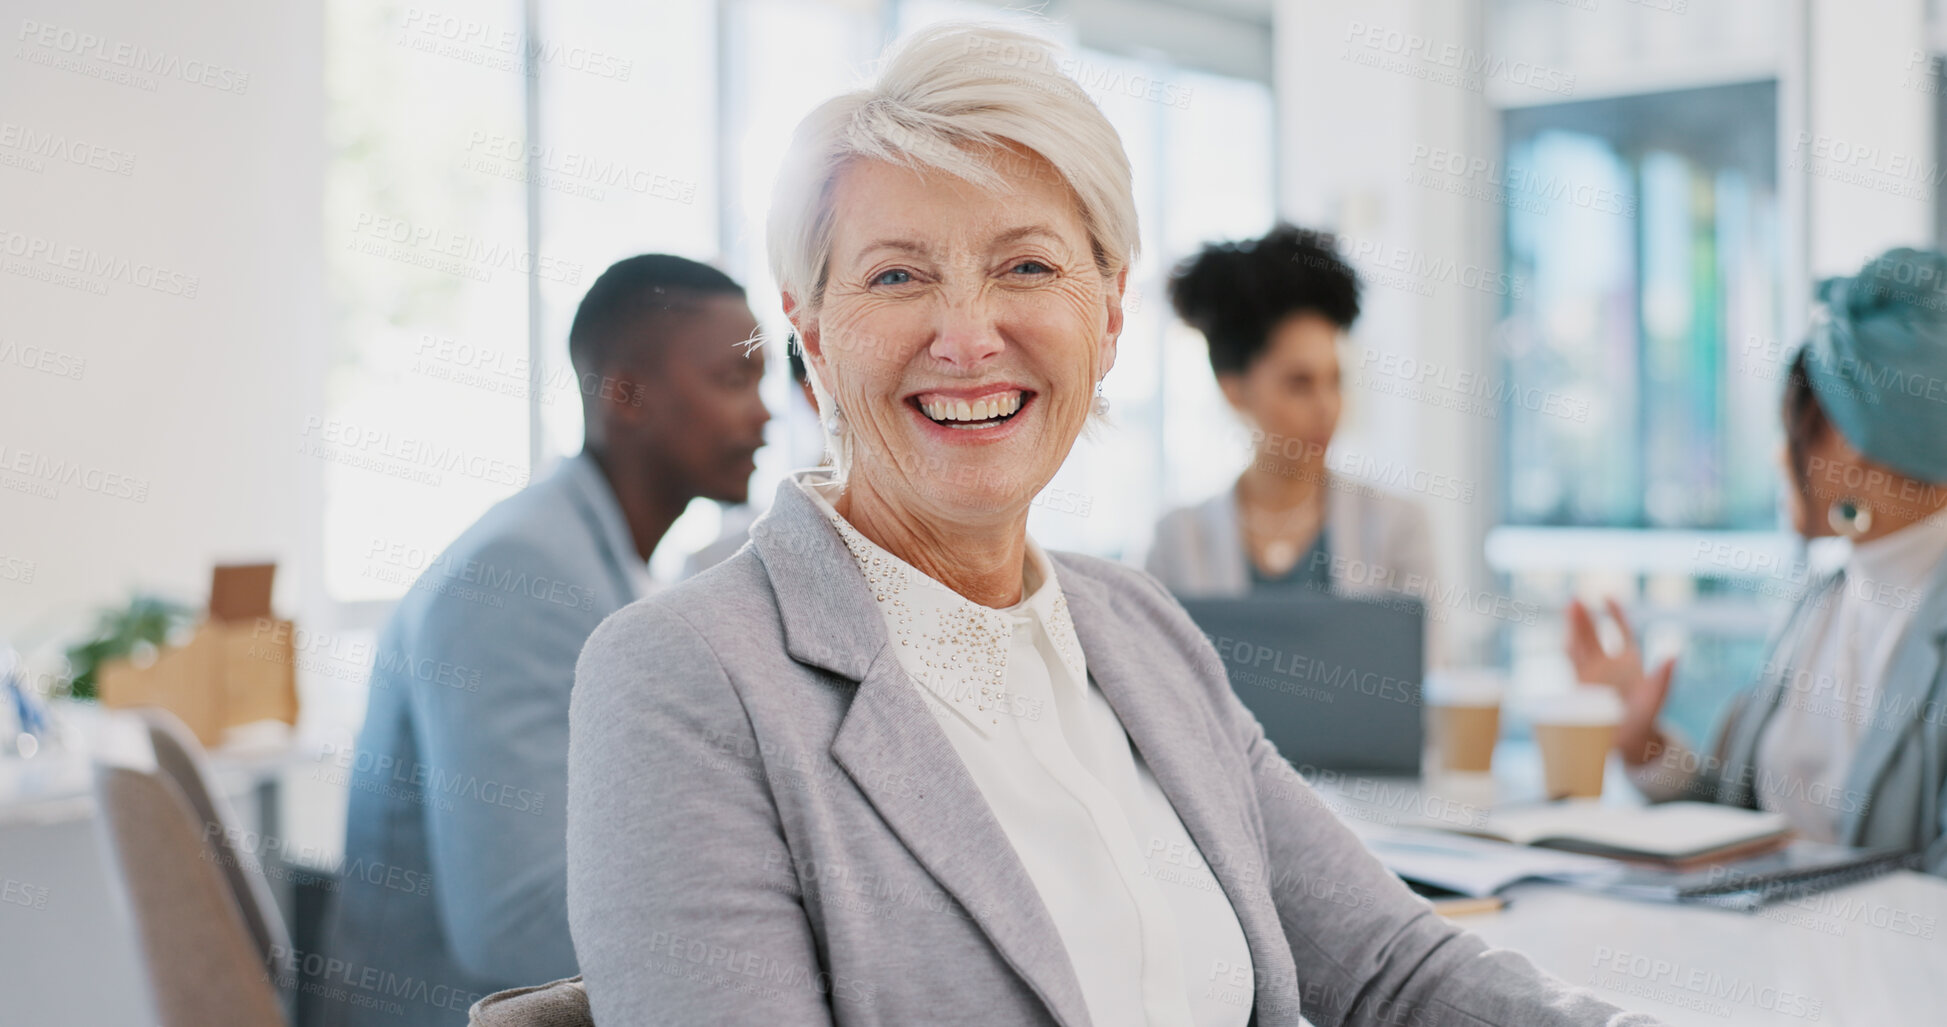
<point>886,277</point>
<point>1033,267</point>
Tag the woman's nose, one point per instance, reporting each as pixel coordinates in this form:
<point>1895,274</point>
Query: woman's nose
<point>965,334</point>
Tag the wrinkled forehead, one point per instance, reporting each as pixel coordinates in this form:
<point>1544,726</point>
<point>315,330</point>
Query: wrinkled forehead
<point>933,214</point>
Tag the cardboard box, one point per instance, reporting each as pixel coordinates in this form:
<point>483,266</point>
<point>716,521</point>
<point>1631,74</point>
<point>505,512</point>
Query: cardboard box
<point>238,668</point>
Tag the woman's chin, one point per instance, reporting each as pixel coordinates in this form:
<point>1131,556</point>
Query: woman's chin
<point>973,491</point>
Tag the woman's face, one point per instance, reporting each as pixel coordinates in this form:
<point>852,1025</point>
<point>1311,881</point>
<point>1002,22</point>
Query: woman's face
<point>962,333</point>
<point>1290,393</point>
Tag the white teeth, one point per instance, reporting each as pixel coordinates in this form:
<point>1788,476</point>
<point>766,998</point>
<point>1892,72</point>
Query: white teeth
<point>984,409</point>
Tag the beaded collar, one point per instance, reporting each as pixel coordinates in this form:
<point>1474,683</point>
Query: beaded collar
<point>955,648</point>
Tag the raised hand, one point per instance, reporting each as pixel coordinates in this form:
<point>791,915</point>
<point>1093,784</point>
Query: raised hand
<point>1637,738</point>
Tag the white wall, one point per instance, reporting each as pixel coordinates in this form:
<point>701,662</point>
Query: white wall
<point>177,413</point>
<point>178,416</point>
<point>1866,156</point>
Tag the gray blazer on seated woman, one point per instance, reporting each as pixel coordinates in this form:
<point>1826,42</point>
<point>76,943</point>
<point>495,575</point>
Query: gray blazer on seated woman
<point>892,763</point>
<point>1379,544</point>
<point>1843,732</point>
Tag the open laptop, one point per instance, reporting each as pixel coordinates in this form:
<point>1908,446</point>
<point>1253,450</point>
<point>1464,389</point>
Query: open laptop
<point>1334,680</point>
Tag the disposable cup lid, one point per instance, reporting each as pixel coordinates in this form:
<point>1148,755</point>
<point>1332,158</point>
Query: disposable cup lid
<point>1474,686</point>
<point>1583,704</point>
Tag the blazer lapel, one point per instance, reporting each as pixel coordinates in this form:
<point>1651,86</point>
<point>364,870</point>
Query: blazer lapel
<point>895,752</point>
<point>1227,572</point>
<point>1910,678</point>
<point>1165,726</point>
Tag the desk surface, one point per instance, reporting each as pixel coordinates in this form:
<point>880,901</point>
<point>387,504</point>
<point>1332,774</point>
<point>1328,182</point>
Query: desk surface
<point>1872,953</point>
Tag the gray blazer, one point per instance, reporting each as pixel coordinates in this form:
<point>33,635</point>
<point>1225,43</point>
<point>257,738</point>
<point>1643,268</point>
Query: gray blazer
<point>1380,544</point>
<point>1896,789</point>
<point>1199,550</point>
<point>767,826</point>
<point>455,878</point>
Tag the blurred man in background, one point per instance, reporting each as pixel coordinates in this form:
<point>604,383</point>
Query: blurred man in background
<point>455,879</point>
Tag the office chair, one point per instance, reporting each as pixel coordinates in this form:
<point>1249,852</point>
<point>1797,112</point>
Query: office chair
<point>180,758</point>
<point>202,960</point>
<point>561,1003</point>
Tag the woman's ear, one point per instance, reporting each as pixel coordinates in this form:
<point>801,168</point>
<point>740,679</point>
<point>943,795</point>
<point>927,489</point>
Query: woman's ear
<point>1112,332</point>
<point>806,329</point>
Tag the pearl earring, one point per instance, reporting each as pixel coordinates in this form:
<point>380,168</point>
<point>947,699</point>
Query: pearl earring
<point>835,421</point>
<point>1101,402</point>
<point>1849,517</point>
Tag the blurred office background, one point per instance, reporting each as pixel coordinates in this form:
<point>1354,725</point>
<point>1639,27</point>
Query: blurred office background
<point>1588,229</point>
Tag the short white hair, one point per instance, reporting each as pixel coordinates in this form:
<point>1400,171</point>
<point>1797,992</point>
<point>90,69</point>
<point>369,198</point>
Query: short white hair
<point>950,97</point>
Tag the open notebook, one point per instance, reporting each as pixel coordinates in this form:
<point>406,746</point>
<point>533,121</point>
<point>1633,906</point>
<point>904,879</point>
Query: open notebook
<point>1478,867</point>
<point>1747,858</point>
<point>1673,833</point>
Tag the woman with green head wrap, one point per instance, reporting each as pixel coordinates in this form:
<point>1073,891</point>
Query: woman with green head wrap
<point>1845,731</point>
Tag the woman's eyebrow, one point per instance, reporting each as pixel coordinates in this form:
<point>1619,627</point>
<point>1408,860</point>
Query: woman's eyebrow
<point>912,246</point>
<point>920,248</point>
<point>1014,235</point>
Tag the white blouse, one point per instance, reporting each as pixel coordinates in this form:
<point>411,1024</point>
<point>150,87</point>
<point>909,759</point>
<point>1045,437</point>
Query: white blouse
<point>1832,692</point>
<point>1150,933</point>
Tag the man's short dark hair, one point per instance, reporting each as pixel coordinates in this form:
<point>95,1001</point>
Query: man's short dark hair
<point>617,317</point>
<point>795,353</point>
<point>1235,293</point>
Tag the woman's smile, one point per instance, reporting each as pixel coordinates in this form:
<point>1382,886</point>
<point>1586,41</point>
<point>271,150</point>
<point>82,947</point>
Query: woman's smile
<point>980,414</point>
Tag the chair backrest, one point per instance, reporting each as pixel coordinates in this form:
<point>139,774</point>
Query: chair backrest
<point>562,1003</point>
<point>202,963</point>
<point>180,758</point>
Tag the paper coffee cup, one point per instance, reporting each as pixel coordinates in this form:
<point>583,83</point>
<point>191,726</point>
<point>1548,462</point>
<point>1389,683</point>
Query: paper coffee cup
<point>1465,709</point>
<point>1575,730</point>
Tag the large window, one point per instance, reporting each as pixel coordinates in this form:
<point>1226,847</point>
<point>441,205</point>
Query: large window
<point>1648,218</point>
<point>621,159</point>
<point>1644,357</point>
<point>428,261</point>
<point>1646,229</point>
<point>488,160</point>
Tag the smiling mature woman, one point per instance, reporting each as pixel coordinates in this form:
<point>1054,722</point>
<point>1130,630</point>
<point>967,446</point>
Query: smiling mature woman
<point>893,763</point>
